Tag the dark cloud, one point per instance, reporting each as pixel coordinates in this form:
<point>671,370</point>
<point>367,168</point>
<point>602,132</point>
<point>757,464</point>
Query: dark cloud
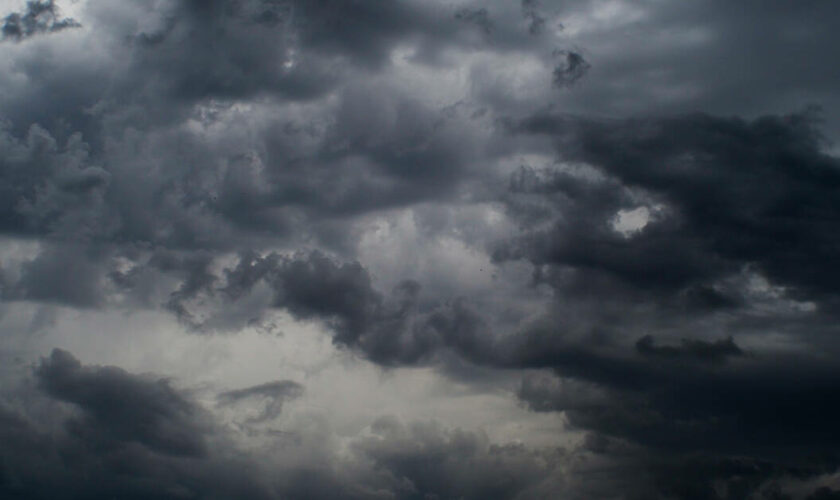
<point>187,53</point>
<point>312,287</point>
<point>274,393</point>
<point>132,437</point>
<point>118,407</point>
<point>683,58</point>
<point>478,17</point>
<point>39,17</point>
<point>714,351</point>
<point>679,398</point>
<point>531,12</point>
<point>737,193</point>
<point>824,493</point>
<point>130,448</point>
<point>676,398</point>
<point>681,403</point>
<point>723,198</point>
<point>195,278</point>
<point>66,275</point>
<point>398,329</point>
<point>664,270</point>
<point>401,330</point>
<point>572,68</point>
<point>430,462</point>
<point>381,150</point>
<point>290,50</point>
<point>49,187</point>
<point>363,30</point>
<point>188,62</point>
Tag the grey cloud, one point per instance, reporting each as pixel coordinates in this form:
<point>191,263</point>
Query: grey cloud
<point>40,464</point>
<point>478,17</point>
<point>708,478</point>
<point>681,401</point>
<point>546,392</point>
<point>68,275</point>
<point>364,30</point>
<point>195,278</point>
<point>717,350</point>
<point>378,148</point>
<point>379,152</point>
<point>824,493</point>
<point>656,467</point>
<point>190,63</point>
<point>391,332</point>
<point>131,437</point>
<point>531,12</point>
<point>655,398</point>
<point>118,407</point>
<point>138,417</point>
<point>399,329</point>
<point>191,52</point>
<point>725,196</point>
<point>313,48</point>
<point>314,286</point>
<point>430,462</point>
<point>766,181</point>
<point>758,410</point>
<point>643,408</point>
<point>49,187</point>
<point>766,57</point>
<point>41,16</point>
<point>276,393</point>
<point>572,68</point>
<point>219,160</point>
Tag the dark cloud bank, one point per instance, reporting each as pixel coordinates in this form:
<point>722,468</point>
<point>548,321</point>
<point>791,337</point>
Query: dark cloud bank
<point>106,433</point>
<point>218,163</point>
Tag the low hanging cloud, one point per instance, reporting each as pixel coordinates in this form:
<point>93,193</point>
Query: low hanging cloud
<point>118,407</point>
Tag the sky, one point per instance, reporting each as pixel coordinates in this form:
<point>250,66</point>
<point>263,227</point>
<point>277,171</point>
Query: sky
<point>419,249</point>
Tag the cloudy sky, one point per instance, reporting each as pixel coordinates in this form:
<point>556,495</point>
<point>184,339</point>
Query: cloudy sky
<point>419,249</point>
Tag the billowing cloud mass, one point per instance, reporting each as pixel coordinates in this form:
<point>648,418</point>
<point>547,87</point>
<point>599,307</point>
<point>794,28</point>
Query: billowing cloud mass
<point>39,17</point>
<point>418,249</point>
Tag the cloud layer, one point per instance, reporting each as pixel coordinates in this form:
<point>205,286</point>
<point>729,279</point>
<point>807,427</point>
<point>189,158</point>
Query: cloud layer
<point>620,218</point>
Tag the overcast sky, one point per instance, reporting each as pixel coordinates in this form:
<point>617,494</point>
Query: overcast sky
<point>419,249</point>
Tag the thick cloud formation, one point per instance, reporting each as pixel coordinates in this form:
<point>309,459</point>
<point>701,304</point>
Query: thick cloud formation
<point>398,329</point>
<point>710,351</point>
<point>733,233</point>
<point>275,394</point>
<point>733,193</point>
<point>433,462</point>
<point>126,436</point>
<point>572,68</point>
<point>140,438</point>
<point>39,17</point>
<point>610,214</point>
<point>119,407</point>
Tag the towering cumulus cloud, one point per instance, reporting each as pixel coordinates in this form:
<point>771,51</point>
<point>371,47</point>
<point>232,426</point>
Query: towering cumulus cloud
<point>405,249</point>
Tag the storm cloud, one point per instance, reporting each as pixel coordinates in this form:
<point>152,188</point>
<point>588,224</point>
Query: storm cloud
<point>410,249</point>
